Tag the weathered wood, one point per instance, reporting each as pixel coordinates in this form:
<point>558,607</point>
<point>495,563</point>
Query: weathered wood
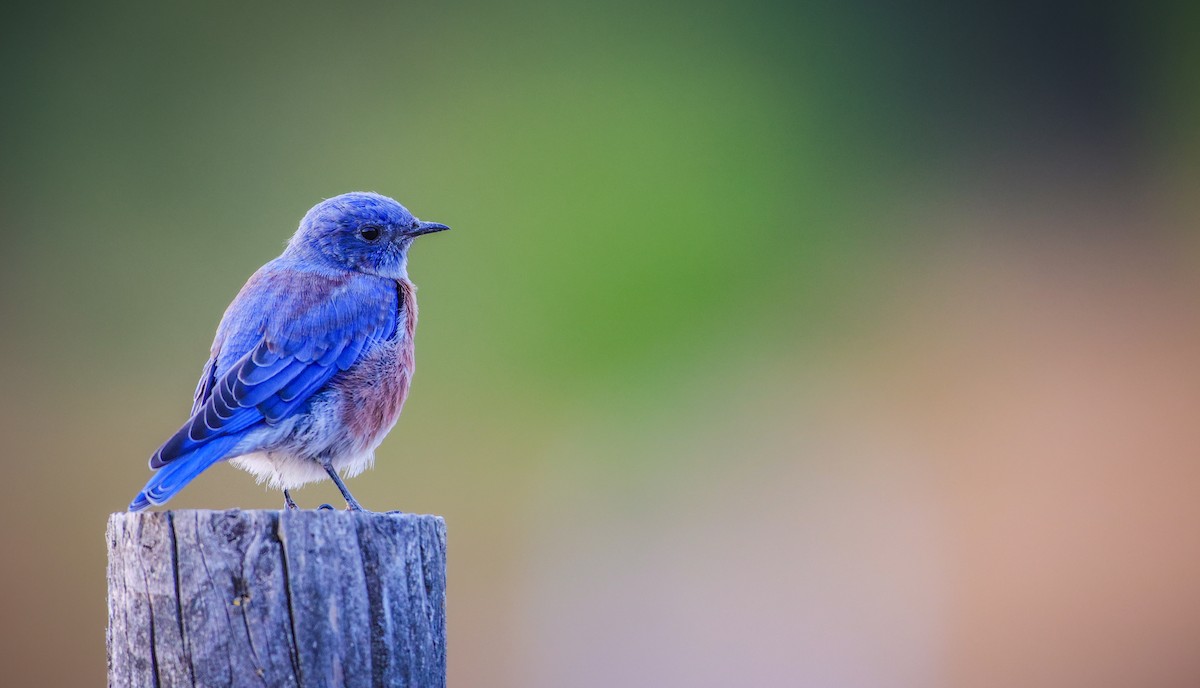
<point>268,598</point>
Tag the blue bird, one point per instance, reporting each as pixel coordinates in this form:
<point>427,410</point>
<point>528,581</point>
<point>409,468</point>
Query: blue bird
<point>313,359</point>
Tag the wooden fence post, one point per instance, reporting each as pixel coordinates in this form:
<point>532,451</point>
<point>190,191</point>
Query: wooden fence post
<point>268,598</point>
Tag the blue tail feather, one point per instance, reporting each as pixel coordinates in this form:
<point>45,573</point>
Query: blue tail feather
<point>172,477</point>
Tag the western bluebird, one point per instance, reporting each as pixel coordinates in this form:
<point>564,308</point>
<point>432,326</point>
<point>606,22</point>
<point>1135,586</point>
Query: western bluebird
<point>312,360</point>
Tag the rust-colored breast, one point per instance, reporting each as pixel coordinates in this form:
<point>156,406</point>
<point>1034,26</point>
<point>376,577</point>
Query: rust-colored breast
<point>374,389</point>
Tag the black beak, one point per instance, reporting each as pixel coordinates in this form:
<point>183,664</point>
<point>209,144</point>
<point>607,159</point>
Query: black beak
<point>427,228</point>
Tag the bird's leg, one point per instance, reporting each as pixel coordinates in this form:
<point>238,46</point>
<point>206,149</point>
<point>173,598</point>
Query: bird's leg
<point>351,502</point>
<point>288,502</point>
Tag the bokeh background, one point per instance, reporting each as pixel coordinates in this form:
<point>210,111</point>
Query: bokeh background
<point>775,344</point>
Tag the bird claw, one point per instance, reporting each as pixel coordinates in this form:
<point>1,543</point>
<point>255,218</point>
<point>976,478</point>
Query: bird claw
<point>325,507</point>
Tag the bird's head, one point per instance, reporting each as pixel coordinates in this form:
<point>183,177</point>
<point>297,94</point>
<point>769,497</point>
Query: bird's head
<point>361,231</point>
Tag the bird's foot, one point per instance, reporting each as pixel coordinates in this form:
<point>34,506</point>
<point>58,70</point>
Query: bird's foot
<point>288,502</point>
<point>330,507</point>
<point>351,503</point>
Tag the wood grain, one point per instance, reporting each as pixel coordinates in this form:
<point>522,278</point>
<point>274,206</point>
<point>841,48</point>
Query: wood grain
<point>268,598</point>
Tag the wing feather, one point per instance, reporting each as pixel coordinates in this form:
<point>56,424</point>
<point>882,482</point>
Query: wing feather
<point>296,331</point>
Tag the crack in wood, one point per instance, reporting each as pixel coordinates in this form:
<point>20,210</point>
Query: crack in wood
<point>307,618</point>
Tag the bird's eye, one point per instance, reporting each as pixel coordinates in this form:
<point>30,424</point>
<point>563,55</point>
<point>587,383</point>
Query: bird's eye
<point>370,233</point>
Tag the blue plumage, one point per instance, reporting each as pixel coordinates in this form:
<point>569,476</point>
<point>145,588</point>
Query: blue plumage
<point>171,478</point>
<point>301,324</point>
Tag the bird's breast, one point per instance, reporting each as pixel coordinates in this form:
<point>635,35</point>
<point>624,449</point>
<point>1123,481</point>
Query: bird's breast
<point>372,391</point>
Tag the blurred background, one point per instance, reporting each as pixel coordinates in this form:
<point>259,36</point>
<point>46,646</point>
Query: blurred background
<point>775,344</point>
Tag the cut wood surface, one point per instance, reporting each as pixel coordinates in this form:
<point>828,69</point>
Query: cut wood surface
<point>269,598</point>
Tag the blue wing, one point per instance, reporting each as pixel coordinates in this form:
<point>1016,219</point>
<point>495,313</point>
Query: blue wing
<point>285,335</point>
<point>208,377</point>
